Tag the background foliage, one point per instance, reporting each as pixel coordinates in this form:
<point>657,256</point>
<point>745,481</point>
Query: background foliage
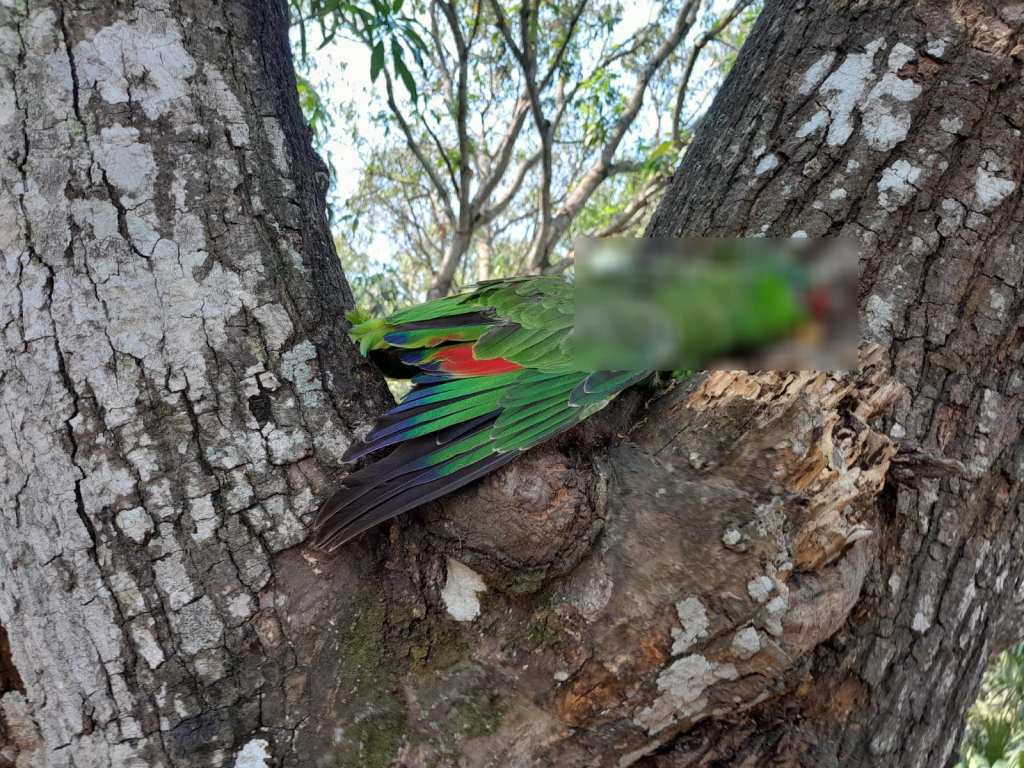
<point>994,737</point>
<point>498,131</point>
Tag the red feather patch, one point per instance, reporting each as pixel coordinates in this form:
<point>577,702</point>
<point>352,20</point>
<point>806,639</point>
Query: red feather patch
<point>459,360</point>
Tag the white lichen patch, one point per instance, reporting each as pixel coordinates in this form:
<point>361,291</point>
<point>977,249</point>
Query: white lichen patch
<point>682,685</point>
<point>298,366</point>
<point>143,631</point>
<point>991,188</point>
<point>134,523</point>
<point>998,300</point>
<point>275,324</point>
<point>842,90</point>
<point>731,537</point>
<point>746,643</point>
<point>886,121</point>
<point>204,518</point>
<point>775,611</point>
<point>693,620</point>
<point>255,754</point>
<point>282,527</point>
<point>816,73</point>
<point>924,614</point>
<point>813,124</point>
<point>275,135</point>
<point>878,316</point>
<point>460,591</point>
<point>144,62</point>
<point>173,580</point>
<point>951,124</point>
<point>240,606</point>
<point>894,583</point>
<point>128,594</point>
<point>767,163</point>
<point>219,94</point>
<point>897,184</point>
<point>920,623</point>
<point>287,445</point>
<point>197,626</point>
<point>937,47</point>
<point>990,412</point>
<point>127,163</point>
<point>900,55</point>
<point>760,588</point>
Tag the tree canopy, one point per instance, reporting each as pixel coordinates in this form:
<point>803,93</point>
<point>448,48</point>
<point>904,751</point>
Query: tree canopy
<point>505,129</point>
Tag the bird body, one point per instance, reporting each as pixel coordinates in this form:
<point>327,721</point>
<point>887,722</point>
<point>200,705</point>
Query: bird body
<point>494,375</point>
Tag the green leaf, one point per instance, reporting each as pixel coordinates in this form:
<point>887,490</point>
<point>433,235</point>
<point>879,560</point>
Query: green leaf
<point>417,45</point>
<point>402,70</point>
<point>376,61</point>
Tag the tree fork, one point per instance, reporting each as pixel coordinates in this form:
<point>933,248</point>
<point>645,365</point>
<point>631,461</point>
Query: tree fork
<point>727,573</point>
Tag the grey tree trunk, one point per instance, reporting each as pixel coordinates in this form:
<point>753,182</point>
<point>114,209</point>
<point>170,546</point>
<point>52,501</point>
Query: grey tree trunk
<point>744,570</point>
<point>175,386</point>
<point>897,125</point>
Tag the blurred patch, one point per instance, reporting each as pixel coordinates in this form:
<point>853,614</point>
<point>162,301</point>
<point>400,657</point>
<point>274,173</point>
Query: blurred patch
<point>716,303</point>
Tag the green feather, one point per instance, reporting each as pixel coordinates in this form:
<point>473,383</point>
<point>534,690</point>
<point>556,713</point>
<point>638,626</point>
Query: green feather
<point>448,431</point>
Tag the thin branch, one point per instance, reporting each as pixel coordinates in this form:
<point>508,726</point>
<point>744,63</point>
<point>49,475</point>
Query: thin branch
<point>503,154</point>
<point>415,148</point>
<point>494,210</point>
<point>625,218</point>
<point>577,13</point>
<point>441,151</point>
<point>461,107</point>
<point>598,171</point>
<point>440,59</point>
<point>691,61</point>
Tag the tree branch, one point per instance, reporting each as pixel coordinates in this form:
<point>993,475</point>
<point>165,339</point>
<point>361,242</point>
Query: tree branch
<point>691,61</point>
<point>416,149</point>
<point>488,214</point>
<point>598,172</point>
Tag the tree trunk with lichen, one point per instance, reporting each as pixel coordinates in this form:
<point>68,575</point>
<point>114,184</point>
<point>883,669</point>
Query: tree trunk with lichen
<point>799,569</point>
<point>897,125</point>
<point>174,379</point>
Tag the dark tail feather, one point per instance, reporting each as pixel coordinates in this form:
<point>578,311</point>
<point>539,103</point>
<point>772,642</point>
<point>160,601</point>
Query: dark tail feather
<point>381,485</point>
<point>341,520</point>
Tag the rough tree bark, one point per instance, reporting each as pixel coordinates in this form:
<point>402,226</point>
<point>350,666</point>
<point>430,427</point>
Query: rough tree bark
<point>745,569</point>
<point>899,126</point>
<point>173,380</point>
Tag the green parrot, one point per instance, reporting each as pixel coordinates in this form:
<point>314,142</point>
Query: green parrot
<point>494,373</point>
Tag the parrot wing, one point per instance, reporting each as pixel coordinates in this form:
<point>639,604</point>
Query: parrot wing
<point>495,378</point>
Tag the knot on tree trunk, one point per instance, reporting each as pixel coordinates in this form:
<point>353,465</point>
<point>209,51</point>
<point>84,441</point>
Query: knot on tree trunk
<point>526,524</point>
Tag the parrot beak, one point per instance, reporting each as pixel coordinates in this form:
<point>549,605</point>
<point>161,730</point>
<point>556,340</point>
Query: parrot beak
<point>810,334</point>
